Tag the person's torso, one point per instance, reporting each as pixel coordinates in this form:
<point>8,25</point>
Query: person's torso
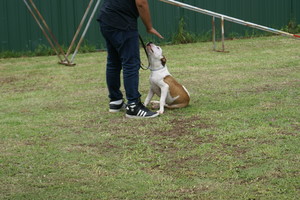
<point>120,14</point>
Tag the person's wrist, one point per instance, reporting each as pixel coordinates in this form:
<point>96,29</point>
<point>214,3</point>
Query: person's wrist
<point>149,29</point>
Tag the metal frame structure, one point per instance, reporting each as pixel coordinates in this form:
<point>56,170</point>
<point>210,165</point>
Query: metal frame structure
<point>214,34</point>
<point>231,19</point>
<point>52,39</point>
<point>63,57</point>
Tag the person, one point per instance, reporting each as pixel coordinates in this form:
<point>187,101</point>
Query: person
<point>119,27</point>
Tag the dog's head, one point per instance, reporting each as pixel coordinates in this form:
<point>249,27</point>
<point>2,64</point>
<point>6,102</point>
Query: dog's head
<point>155,55</point>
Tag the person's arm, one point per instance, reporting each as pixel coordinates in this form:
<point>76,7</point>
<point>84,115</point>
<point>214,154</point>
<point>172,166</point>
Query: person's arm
<point>144,12</point>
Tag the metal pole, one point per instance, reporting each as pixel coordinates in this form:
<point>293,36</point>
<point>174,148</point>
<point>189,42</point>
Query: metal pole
<point>49,30</point>
<point>231,19</point>
<point>85,30</point>
<point>43,30</point>
<point>223,33</point>
<point>79,27</point>
<point>214,33</point>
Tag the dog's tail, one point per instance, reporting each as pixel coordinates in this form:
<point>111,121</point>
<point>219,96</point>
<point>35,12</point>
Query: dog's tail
<point>175,106</point>
<point>186,91</point>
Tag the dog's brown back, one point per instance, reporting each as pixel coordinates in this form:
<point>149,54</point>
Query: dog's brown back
<point>177,89</point>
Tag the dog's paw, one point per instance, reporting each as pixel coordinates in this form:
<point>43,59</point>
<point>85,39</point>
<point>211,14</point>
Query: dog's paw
<point>160,112</point>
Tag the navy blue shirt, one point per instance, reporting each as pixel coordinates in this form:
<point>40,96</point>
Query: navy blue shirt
<point>120,14</point>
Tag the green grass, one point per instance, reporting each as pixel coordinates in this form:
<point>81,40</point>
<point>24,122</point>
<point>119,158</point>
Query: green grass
<point>238,139</point>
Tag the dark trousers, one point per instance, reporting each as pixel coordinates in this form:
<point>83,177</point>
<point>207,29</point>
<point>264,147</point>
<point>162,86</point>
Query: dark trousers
<point>123,53</point>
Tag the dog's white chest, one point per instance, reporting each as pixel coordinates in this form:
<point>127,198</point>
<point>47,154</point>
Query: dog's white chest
<point>157,77</point>
<point>158,85</point>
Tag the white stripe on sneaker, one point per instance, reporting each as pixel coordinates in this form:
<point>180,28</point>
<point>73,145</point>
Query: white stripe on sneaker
<point>140,113</point>
<point>145,113</point>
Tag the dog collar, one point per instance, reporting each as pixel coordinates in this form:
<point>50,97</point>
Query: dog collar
<point>151,69</point>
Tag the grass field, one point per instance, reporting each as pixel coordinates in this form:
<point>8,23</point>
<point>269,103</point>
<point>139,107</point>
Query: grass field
<point>238,139</point>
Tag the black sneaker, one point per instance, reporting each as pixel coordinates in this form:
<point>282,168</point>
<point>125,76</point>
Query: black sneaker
<point>138,110</point>
<point>116,106</point>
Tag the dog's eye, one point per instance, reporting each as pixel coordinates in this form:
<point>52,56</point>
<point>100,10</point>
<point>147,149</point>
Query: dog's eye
<point>157,47</point>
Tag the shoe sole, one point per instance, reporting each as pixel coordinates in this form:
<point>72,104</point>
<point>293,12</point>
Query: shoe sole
<point>118,110</point>
<point>114,110</point>
<point>139,117</point>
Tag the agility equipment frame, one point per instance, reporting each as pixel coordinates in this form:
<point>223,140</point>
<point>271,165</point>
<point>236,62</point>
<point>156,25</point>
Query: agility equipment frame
<point>231,19</point>
<point>52,39</point>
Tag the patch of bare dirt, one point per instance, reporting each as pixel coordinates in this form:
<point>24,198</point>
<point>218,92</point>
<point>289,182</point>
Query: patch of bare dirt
<point>184,126</point>
<point>94,147</point>
<point>271,87</point>
<point>8,80</point>
<point>286,133</point>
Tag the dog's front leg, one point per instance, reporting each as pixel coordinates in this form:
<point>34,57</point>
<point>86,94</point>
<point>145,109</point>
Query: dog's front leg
<point>163,97</point>
<point>149,97</point>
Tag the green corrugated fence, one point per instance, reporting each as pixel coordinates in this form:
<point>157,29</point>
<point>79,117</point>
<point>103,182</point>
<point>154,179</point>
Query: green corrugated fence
<point>19,31</point>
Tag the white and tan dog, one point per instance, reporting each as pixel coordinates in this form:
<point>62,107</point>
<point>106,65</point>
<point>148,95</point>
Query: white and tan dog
<point>171,93</point>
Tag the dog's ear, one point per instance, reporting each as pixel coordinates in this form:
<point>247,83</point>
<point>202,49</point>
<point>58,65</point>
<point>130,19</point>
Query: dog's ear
<point>163,60</point>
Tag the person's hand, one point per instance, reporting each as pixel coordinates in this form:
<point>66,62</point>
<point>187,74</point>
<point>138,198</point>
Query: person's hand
<point>154,32</point>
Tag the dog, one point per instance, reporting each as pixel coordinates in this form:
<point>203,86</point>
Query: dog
<point>172,94</point>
